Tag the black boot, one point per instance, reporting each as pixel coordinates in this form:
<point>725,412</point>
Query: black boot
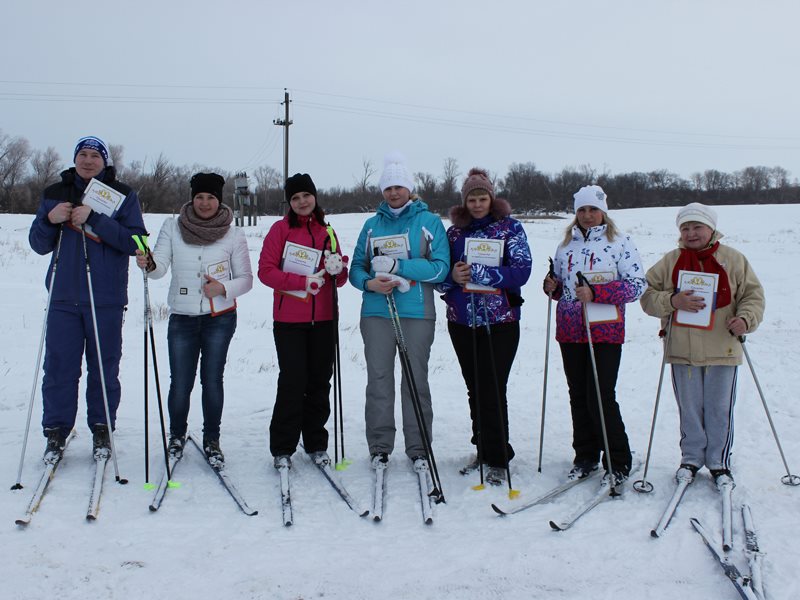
<point>101,441</point>
<point>55,444</point>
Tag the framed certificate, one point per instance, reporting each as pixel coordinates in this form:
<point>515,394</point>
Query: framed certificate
<point>705,286</point>
<point>481,251</point>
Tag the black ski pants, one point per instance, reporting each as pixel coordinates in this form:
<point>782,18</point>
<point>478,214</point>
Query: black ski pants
<point>302,406</point>
<point>587,433</point>
<point>484,384</point>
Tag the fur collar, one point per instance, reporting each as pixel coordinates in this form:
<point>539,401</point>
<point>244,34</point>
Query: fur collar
<point>460,217</point>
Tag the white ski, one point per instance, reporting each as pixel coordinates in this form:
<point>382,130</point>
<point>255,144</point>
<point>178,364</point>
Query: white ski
<point>682,482</point>
<point>101,457</point>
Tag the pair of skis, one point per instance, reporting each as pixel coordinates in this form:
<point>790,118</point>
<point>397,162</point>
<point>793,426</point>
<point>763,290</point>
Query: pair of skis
<point>51,463</point>
<point>750,586</point>
<point>424,482</point>
<point>223,477</point>
<point>326,469</point>
<point>604,492</point>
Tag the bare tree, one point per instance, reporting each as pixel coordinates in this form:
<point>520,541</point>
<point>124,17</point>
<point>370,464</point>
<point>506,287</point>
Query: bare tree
<point>268,183</point>
<point>45,166</point>
<point>14,155</point>
<point>115,155</point>
<point>367,171</point>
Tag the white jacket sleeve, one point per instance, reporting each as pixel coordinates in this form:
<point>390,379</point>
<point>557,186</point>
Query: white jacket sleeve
<point>241,270</point>
<point>162,253</point>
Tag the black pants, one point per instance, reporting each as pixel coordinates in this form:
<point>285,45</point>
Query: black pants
<point>587,433</point>
<point>481,387</point>
<point>302,405</point>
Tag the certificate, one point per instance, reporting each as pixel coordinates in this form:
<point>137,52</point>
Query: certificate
<point>300,260</point>
<point>481,251</point>
<point>396,246</point>
<point>102,199</point>
<point>602,313</point>
<point>705,286</point>
<point>221,271</point>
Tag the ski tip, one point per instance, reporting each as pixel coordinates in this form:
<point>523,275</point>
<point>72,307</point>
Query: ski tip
<point>251,513</point>
<point>23,522</point>
<point>173,484</point>
<point>513,494</point>
<point>429,521</point>
<point>153,508</point>
<point>555,526</point>
<point>727,547</point>
<point>149,486</point>
<point>363,513</point>
<point>91,518</point>
<point>479,487</point>
<point>499,510</point>
<point>377,518</point>
<point>287,524</point>
<point>654,534</point>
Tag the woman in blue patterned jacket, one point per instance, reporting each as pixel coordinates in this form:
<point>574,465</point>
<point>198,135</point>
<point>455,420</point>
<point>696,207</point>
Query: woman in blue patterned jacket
<point>482,216</point>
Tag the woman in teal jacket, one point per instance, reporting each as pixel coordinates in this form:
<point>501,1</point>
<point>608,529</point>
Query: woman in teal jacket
<point>402,250</point>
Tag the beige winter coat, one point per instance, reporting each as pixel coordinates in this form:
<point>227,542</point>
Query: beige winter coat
<point>701,347</point>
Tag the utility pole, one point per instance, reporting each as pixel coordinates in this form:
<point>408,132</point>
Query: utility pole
<point>285,122</point>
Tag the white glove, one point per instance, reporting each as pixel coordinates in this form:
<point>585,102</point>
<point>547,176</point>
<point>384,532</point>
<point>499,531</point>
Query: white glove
<point>384,264</point>
<point>315,282</point>
<point>334,263</point>
<point>403,284</point>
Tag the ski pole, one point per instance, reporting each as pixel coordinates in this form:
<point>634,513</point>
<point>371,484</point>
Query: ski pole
<point>552,275</point>
<point>141,242</point>
<point>787,479</point>
<point>338,406</point>
<point>512,493</point>
<point>642,485</point>
<point>437,493</point>
<point>477,387</point>
<point>582,280</point>
<point>18,484</point>
<point>100,366</point>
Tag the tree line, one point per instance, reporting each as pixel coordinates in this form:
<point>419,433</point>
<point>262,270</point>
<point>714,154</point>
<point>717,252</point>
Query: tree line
<point>163,186</point>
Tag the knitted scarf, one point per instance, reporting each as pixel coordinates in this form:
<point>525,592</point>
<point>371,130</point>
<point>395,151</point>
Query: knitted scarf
<point>203,232</point>
<point>704,261</point>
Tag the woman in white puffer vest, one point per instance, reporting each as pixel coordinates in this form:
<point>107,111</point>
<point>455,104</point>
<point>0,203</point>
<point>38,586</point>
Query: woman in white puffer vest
<point>210,269</point>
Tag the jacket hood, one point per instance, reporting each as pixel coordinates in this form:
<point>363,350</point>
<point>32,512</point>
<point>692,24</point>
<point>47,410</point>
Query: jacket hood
<point>415,207</point>
<point>460,217</point>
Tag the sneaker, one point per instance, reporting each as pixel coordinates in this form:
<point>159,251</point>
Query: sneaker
<point>213,454</point>
<point>320,458</point>
<point>55,444</point>
<point>176,443</point>
<point>283,461</point>
<point>721,476</point>
<point>420,463</point>
<point>617,478</point>
<point>380,460</point>
<point>496,476</point>
<point>101,441</point>
<point>581,470</point>
<point>686,472</point>
<point>472,466</point>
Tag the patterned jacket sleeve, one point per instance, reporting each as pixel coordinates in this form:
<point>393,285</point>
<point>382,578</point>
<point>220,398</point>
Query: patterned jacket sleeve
<point>516,272</point>
<point>631,283</point>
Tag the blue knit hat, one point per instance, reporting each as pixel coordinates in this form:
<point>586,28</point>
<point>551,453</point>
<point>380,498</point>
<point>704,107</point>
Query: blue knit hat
<point>92,143</point>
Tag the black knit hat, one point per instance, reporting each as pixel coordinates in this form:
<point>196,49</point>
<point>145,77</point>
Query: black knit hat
<point>299,182</point>
<point>209,183</point>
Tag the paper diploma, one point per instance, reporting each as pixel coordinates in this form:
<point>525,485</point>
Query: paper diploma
<point>221,271</point>
<point>396,246</point>
<point>300,260</point>
<point>481,251</point>
<point>601,313</point>
<point>101,199</point>
<point>705,286</point>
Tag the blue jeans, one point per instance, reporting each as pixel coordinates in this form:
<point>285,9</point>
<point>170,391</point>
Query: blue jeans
<point>189,338</point>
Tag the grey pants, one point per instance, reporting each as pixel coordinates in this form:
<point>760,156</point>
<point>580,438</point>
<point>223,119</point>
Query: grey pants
<point>380,350</point>
<point>706,396</point>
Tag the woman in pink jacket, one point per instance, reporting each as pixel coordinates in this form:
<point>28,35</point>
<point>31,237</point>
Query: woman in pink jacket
<point>301,260</point>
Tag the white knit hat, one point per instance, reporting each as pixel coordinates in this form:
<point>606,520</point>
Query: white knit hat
<point>395,172</point>
<point>699,213</point>
<point>591,195</point>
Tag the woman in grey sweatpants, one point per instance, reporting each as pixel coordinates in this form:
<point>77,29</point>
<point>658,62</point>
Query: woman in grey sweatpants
<point>401,251</point>
<point>704,357</point>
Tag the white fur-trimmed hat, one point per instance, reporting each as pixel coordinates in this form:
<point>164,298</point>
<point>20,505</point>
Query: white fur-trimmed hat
<point>591,195</point>
<point>699,213</point>
<point>395,172</point>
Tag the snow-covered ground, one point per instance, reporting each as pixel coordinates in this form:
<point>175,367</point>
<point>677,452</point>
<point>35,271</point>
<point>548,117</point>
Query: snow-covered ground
<point>200,545</point>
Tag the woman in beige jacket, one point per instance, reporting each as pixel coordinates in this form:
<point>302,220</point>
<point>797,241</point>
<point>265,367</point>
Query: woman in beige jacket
<point>704,356</point>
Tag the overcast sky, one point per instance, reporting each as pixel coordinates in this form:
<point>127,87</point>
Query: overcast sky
<point>629,85</point>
